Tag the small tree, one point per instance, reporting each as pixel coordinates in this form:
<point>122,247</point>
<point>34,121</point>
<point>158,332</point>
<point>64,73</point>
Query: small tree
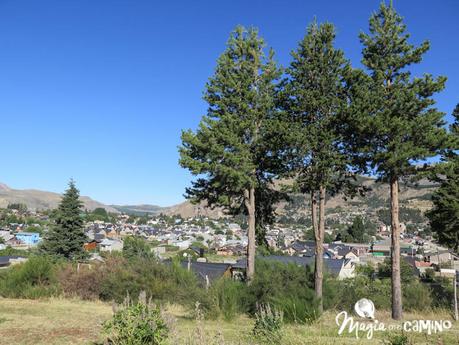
<point>66,237</point>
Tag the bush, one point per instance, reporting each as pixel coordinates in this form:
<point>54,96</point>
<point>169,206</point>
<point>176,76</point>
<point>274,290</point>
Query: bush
<point>268,325</point>
<point>137,324</point>
<point>85,282</point>
<point>287,288</point>
<point>162,282</point>
<point>33,279</point>
<point>226,298</point>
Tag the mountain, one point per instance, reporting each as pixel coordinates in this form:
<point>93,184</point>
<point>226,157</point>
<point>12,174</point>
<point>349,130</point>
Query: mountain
<point>412,196</point>
<point>42,200</point>
<point>139,210</point>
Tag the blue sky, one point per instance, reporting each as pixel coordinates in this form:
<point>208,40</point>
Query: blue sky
<point>100,90</point>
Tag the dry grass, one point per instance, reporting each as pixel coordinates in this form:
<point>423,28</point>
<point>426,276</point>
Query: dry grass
<point>53,321</point>
<point>61,321</point>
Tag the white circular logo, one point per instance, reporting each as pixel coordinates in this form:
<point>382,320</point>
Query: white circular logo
<point>365,308</point>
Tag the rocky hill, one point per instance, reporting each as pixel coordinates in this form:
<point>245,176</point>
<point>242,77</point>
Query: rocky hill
<point>412,196</point>
<point>42,200</point>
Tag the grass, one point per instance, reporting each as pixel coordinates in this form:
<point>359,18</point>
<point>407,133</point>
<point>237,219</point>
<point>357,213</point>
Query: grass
<point>63,321</point>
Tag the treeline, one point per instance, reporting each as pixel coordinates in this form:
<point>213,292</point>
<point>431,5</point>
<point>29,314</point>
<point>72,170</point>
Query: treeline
<point>320,122</point>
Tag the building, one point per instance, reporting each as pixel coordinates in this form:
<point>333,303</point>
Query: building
<point>28,238</point>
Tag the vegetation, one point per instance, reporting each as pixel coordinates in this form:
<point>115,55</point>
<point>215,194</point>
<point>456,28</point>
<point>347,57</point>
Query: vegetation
<point>391,119</point>
<point>313,98</point>
<point>137,323</point>
<point>231,149</point>
<point>66,237</point>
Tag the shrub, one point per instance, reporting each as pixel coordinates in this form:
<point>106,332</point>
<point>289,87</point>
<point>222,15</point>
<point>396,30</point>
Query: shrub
<point>288,288</point>
<point>268,324</point>
<point>226,298</point>
<point>137,324</point>
<point>85,282</point>
<point>397,339</point>
<point>162,282</point>
<point>33,279</point>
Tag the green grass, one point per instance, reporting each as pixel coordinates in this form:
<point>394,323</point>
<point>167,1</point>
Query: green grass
<point>62,321</point>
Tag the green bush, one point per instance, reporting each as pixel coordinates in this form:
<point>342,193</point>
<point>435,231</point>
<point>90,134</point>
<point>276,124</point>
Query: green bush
<point>268,325</point>
<point>226,297</point>
<point>33,279</point>
<point>287,288</point>
<point>162,282</point>
<point>137,323</point>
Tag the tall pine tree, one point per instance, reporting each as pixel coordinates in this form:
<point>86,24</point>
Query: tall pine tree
<point>444,215</point>
<point>392,118</point>
<point>230,151</point>
<point>314,95</point>
<point>66,237</point>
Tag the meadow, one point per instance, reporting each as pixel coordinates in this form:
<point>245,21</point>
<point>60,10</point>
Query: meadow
<point>72,321</point>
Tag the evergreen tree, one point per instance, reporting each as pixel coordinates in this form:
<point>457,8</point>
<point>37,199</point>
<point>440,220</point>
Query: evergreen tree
<point>357,230</point>
<point>230,151</point>
<point>314,95</point>
<point>392,118</point>
<point>66,237</point>
<point>444,216</point>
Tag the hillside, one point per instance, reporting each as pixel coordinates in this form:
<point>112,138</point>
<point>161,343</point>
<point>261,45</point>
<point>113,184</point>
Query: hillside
<point>41,200</point>
<point>412,196</point>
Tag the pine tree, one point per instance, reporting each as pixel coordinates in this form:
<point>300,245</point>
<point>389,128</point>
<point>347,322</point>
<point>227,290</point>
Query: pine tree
<point>314,95</point>
<point>230,151</point>
<point>392,118</point>
<point>66,237</point>
<point>444,215</point>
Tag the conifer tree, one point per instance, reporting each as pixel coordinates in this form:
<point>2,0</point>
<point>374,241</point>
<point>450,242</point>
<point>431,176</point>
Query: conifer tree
<point>444,215</point>
<point>66,237</point>
<point>314,95</point>
<point>392,118</point>
<point>230,150</point>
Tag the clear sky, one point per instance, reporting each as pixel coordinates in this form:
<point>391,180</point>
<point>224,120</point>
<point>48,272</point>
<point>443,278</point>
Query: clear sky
<point>100,90</point>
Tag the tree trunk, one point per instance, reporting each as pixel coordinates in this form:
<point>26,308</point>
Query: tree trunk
<point>249,198</point>
<point>319,257</point>
<point>395,251</point>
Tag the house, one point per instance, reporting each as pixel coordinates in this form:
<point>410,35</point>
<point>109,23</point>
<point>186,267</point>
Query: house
<point>231,250</point>
<point>340,268</point>
<point>110,245</point>
<point>6,261</point>
<point>28,238</point>
<point>89,246</point>
<point>438,257</point>
<point>208,272</point>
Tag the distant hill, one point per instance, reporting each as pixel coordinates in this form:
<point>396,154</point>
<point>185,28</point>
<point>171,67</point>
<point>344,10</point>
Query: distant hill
<point>138,210</point>
<point>413,196</point>
<point>42,200</point>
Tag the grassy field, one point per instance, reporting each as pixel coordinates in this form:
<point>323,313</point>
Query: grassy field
<point>59,321</point>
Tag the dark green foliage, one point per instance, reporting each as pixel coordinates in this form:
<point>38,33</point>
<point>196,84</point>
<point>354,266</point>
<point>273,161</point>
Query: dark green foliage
<point>444,216</point>
<point>231,150</point>
<point>357,230</point>
<point>17,206</point>
<point>313,97</point>
<point>392,118</point>
<point>225,298</point>
<point>406,271</point>
<point>66,237</point>
<point>35,278</point>
<point>138,323</point>
<point>161,282</point>
<point>136,247</point>
<point>289,288</point>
